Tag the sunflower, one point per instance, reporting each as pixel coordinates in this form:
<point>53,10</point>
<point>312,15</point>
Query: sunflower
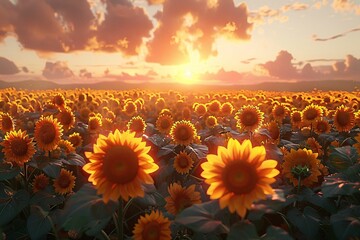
<point>183,163</point>
<point>314,146</point>
<point>59,100</point>
<point>6,122</point>
<point>66,146</point>
<point>279,112</point>
<point>249,118</point>
<point>183,132</point>
<point>200,109</point>
<point>40,182</point>
<point>311,113</point>
<point>65,182</point>
<point>130,108</point>
<point>75,139</point>
<point>301,164</point>
<point>153,226</point>
<point>94,124</point>
<point>164,123</point>
<point>181,198</point>
<point>274,131</point>
<point>226,109</point>
<point>66,118</point>
<point>119,165</point>
<point>137,125</point>
<point>18,147</point>
<point>239,175</point>
<point>322,126</point>
<point>344,119</point>
<point>211,121</point>
<point>214,107</point>
<point>48,133</point>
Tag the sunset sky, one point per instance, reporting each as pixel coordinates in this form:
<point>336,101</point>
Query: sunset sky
<point>188,41</point>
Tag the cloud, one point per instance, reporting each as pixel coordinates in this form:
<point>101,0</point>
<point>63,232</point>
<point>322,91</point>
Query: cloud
<point>266,14</point>
<point>123,76</point>
<point>316,38</point>
<point>25,69</point>
<point>57,70</point>
<point>188,29</point>
<point>155,2</point>
<point>248,61</point>
<point>347,69</point>
<point>8,67</point>
<point>85,73</point>
<point>346,5</point>
<point>67,25</point>
<point>281,67</point>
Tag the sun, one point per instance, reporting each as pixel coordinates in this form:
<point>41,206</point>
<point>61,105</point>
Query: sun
<point>187,75</point>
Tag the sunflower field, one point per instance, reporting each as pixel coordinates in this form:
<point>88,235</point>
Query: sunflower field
<point>157,165</point>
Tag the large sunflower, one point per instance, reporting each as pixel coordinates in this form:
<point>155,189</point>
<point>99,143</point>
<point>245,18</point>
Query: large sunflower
<point>181,198</point>
<point>183,163</point>
<point>18,147</point>
<point>344,119</point>
<point>65,182</point>
<point>249,118</point>
<point>153,226</point>
<point>303,164</point>
<point>239,175</point>
<point>48,133</point>
<point>119,164</point>
<point>311,113</point>
<point>183,132</point>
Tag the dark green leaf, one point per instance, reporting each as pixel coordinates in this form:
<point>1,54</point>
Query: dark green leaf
<point>7,171</point>
<point>201,218</point>
<point>341,158</point>
<point>276,233</point>
<point>346,223</point>
<point>47,198</point>
<point>167,151</point>
<point>11,203</point>
<point>318,200</point>
<point>38,223</point>
<point>86,212</point>
<point>243,231</point>
<point>307,222</point>
<point>75,159</point>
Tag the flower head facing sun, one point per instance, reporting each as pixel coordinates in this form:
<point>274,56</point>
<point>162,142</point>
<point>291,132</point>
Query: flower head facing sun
<point>65,182</point>
<point>18,147</point>
<point>119,164</point>
<point>344,119</point>
<point>249,118</point>
<point>183,163</point>
<point>153,226</point>
<point>239,175</point>
<point>48,133</point>
<point>181,198</point>
<point>183,132</point>
<point>164,123</point>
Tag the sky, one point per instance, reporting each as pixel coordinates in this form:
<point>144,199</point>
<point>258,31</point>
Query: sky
<point>179,41</point>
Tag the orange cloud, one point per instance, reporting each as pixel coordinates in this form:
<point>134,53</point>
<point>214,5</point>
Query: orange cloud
<point>8,67</point>
<point>186,28</point>
<point>281,67</point>
<point>67,25</point>
<point>233,77</point>
<point>346,5</point>
<point>316,38</point>
<point>57,70</point>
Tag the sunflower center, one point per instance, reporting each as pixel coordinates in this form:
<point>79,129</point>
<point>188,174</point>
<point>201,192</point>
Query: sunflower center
<point>121,164</point>
<point>137,126</point>
<point>183,162</point>
<point>152,231</point>
<point>165,124</point>
<point>19,147</point>
<point>311,114</point>
<point>240,177</point>
<point>64,181</point>
<point>249,119</point>
<point>183,133</point>
<point>343,118</point>
<point>182,202</point>
<point>279,111</point>
<point>47,133</point>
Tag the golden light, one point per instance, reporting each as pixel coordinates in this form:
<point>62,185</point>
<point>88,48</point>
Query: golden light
<point>186,75</point>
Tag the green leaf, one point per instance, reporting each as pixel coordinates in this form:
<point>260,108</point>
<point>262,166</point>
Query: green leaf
<point>318,200</point>
<point>341,158</point>
<point>7,171</point>
<point>346,223</point>
<point>46,198</point>
<point>85,211</point>
<point>337,184</point>
<point>307,222</point>
<point>201,218</point>
<point>11,203</point>
<point>38,223</point>
<point>75,159</point>
<point>242,230</point>
<point>51,167</point>
<point>276,233</point>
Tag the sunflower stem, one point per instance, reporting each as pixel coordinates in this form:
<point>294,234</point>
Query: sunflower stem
<point>299,184</point>
<point>120,220</point>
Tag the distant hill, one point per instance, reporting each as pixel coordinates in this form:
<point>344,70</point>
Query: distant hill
<point>342,85</point>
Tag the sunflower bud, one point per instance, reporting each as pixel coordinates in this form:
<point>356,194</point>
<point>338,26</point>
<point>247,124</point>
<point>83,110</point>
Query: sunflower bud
<point>301,172</point>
